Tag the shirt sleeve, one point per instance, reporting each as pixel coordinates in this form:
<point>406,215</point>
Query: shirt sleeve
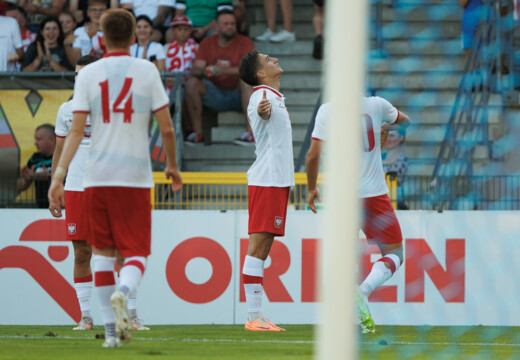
<point>319,125</point>
<point>61,129</point>
<point>389,113</point>
<point>80,101</point>
<point>17,36</point>
<point>77,41</point>
<point>159,97</point>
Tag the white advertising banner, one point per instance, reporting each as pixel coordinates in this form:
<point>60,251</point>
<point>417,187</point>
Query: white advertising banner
<point>460,268</point>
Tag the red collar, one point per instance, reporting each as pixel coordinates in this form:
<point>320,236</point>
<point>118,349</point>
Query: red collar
<point>117,53</point>
<point>268,88</point>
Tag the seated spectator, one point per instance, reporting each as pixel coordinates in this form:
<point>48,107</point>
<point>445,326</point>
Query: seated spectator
<point>317,23</point>
<point>79,9</point>
<point>39,10</point>
<point>214,82</point>
<point>270,34</point>
<point>68,24</point>
<point>47,52</point>
<point>19,14</point>
<point>202,14</point>
<point>396,161</point>
<point>38,168</point>
<point>11,49</point>
<point>156,10</point>
<point>180,54</point>
<point>87,41</point>
<point>145,48</point>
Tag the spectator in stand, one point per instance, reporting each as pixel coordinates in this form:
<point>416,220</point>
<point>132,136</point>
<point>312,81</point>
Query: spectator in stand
<point>145,48</point>
<point>239,9</point>
<point>203,14</point>
<point>11,49</point>
<point>180,54</point>
<point>156,10</point>
<point>88,37</point>
<point>396,161</point>
<point>47,52</point>
<point>38,168</point>
<point>317,23</point>
<point>270,34</point>
<point>79,8</point>
<point>68,24</point>
<point>19,14</point>
<point>214,82</point>
<point>39,10</point>
<point>3,7</point>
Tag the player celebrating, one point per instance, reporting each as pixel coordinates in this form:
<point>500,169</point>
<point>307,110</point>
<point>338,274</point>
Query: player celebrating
<point>120,93</point>
<point>379,221</point>
<point>269,178</point>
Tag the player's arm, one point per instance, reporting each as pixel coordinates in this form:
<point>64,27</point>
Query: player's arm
<point>168,138</point>
<point>55,159</point>
<point>312,165</point>
<point>402,122</point>
<point>72,141</point>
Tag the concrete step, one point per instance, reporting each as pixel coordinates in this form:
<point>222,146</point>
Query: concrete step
<point>302,14</point>
<point>299,117</point>
<point>296,48</point>
<point>223,151</point>
<point>223,134</point>
<point>409,98</point>
<point>414,81</point>
<point>452,64</point>
<point>419,29</point>
<point>417,47</point>
<point>423,12</point>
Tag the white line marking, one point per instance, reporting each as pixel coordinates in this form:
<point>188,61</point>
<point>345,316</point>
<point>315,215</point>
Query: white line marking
<point>435,343</point>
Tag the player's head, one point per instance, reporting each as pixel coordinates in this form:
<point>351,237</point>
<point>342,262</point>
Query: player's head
<point>226,24</point>
<point>118,26</point>
<point>84,61</point>
<point>45,139</point>
<point>256,68</point>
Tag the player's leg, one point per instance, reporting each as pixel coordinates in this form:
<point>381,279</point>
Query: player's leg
<point>83,282</point>
<point>100,238</point>
<point>267,213</point>
<point>131,219</point>
<point>382,228</point>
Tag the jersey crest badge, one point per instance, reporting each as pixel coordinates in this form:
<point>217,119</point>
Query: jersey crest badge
<point>71,229</point>
<point>277,221</point>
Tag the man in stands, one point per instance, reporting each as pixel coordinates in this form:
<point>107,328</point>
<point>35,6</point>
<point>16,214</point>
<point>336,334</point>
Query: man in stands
<point>214,82</point>
<point>38,167</point>
<point>11,48</point>
<point>20,15</point>
<point>118,178</point>
<point>379,221</point>
<point>270,177</point>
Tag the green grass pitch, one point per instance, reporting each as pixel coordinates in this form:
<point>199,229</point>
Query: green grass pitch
<point>232,342</point>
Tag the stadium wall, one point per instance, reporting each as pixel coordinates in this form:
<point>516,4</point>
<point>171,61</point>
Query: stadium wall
<point>460,269</point>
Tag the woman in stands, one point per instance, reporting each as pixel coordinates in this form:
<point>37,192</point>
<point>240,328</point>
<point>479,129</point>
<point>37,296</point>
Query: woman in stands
<point>144,48</point>
<point>47,52</point>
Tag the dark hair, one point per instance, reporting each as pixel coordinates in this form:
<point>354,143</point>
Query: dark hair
<point>86,59</point>
<point>224,12</point>
<point>118,26</point>
<point>69,13</point>
<point>145,18</point>
<point>92,2</point>
<point>248,67</point>
<point>48,19</point>
<point>49,129</point>
<point>20,9</point>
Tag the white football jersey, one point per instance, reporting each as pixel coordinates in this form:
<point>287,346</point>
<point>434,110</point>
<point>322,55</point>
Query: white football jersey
<point>74,180</point>
<point>376,110</point>
<point>274,164</point>
<point>86,43</point>
<point>120,93</point>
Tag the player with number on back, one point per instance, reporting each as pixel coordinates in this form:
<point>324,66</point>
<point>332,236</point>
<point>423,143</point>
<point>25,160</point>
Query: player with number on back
<point>120,93</point>
<point>379,221</point>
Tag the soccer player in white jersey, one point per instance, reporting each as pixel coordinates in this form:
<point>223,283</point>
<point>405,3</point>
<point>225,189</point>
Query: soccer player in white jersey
<point>269,178</point>
<point>379,221</point>
<point>75,214</point>
<point>120,93</point>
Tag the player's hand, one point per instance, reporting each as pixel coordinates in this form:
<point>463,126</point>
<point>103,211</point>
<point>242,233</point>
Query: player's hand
<point>312,196</point>
<point>264,108</point>
<point>56,197</point>
<point>175,175</point>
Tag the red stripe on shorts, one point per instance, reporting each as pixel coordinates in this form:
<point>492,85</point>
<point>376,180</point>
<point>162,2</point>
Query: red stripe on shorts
<point>252,279</point>
<point>135,263</point>
<point>386,259</point>
<point>83,279</point>
<point>104,278</point>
